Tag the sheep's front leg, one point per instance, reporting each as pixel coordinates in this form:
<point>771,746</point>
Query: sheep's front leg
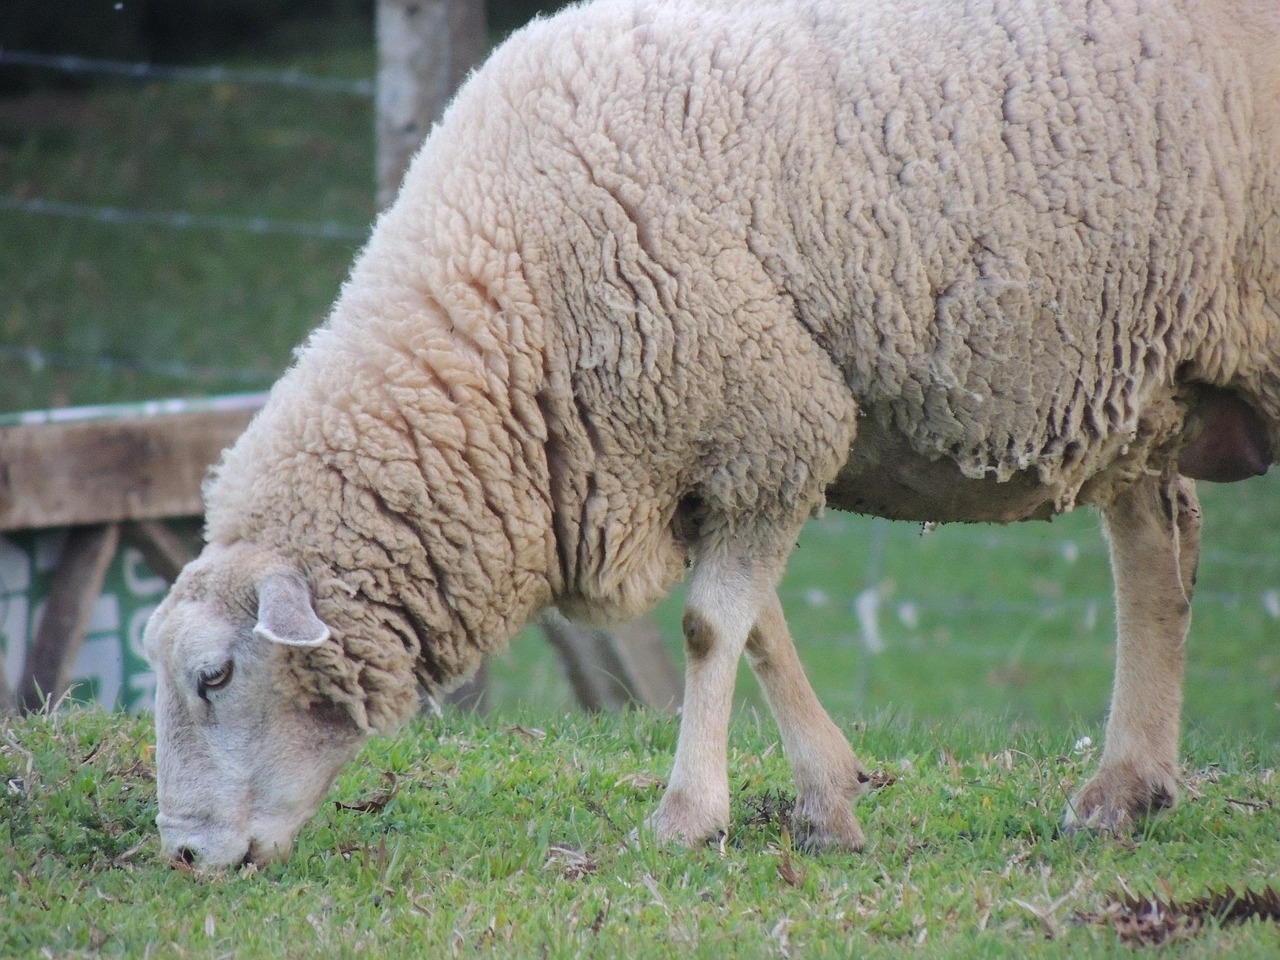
<point>828,776</point>
<point>722,606</point>
<point>1154,533</point>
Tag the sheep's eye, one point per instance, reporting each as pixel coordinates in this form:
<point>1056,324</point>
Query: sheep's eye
<point>214,679</point>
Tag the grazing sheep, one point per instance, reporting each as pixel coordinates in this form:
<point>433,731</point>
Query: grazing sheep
<point>668,277</point>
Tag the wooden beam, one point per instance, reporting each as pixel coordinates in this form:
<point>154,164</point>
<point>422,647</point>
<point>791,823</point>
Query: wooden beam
<point>166,553</point>
<point>648,669</point>
<point>101,471</point>
<point>425,50</point>
<point>76,586</point>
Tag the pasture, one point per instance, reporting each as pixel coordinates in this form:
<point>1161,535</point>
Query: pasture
<point>513,838</point>
<point>968,664</point>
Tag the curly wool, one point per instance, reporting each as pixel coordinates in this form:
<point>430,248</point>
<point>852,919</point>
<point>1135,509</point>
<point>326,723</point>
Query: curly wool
<point>662,261</point>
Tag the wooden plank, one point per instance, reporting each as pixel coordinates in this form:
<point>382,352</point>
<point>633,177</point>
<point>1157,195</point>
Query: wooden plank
<point>101,471</point>
<point>166,553</point>
<point>425,49</point>
<point>593,672</point>
<point>76,586</point>
<point>470,697</point>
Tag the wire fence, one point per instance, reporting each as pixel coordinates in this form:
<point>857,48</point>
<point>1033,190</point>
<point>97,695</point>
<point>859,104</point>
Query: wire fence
<point>37,359</point>
<point>181,219</point>
<point>290,79</point>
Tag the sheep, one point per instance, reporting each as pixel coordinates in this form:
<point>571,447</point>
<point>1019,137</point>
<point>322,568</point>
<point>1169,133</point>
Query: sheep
<point>669,278</point>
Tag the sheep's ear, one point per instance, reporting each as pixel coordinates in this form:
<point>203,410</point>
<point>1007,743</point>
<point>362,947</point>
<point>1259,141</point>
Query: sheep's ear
<point>285,614</point>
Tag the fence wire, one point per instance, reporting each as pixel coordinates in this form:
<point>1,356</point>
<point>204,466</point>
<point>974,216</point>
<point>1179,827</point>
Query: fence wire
<point>291,79</point>
<point>182,220</point>
<point>37,360</point>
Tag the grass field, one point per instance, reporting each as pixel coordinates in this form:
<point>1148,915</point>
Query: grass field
<point>512,838</point>
<point>993,657</point>
<point>1014,621</point>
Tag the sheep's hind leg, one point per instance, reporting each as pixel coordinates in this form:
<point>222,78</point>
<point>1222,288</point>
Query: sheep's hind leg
<point>828,776</point>
<point>1154,532</point>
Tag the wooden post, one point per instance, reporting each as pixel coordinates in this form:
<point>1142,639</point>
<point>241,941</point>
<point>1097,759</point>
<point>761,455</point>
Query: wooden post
<point>6,692</point>
<point>425,49</point>
<point>165,552</point>
<point>76,586</point>
<point>651,675</point>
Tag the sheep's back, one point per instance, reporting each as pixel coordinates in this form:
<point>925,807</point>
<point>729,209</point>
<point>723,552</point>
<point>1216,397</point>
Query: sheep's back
<point>1009,224</point>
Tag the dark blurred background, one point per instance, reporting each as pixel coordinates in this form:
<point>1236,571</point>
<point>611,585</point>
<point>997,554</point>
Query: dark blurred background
<point>177,31</point>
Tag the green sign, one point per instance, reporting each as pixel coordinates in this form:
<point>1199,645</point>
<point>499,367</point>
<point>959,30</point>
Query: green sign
<point>110,668</point>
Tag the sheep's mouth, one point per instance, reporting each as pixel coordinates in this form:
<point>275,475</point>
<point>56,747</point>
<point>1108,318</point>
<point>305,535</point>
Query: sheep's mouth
<point>261,853</point>
<point>187,860</point>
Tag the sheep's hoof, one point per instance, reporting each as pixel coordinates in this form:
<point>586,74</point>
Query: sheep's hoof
<point>1118,798</point>
<point>688,821</point>
<point>835,833</point>
<point>823,817</point>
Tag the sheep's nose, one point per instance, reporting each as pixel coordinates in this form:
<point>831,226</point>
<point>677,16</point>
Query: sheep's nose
<point>185,855</point>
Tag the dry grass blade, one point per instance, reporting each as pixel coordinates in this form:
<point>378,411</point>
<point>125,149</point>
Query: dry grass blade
<point>1150,921</point>
<point>572,864</point>
<point>764,809</point>
<point>375,803</point>
<point>879,779</point>
<point>1231,907</point>
<point>528,734</point>
<point>642,781</point>
<point>790,873</point>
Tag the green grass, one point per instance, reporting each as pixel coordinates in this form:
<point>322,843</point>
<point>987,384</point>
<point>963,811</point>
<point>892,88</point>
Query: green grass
<point>504,839</point>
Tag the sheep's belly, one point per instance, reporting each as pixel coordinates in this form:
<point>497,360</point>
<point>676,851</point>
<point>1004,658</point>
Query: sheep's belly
<point>885,477</point>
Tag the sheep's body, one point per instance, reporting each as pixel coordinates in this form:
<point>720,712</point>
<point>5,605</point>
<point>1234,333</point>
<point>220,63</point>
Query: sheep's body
<point>668,275</point>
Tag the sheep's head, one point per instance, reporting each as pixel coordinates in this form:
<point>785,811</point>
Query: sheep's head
<point>240,763</point>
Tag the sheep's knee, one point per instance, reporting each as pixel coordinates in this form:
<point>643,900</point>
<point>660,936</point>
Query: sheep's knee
<point>719,615</point>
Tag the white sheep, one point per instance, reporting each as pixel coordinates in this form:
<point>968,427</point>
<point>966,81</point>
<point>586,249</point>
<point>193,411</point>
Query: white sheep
<point>671,275</point>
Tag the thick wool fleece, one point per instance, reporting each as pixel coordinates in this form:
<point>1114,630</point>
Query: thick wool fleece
<point>660,257</point>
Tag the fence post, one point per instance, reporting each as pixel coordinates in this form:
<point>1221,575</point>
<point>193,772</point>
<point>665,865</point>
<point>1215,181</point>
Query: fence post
<point>6,692</point>
<point>425,49</point>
